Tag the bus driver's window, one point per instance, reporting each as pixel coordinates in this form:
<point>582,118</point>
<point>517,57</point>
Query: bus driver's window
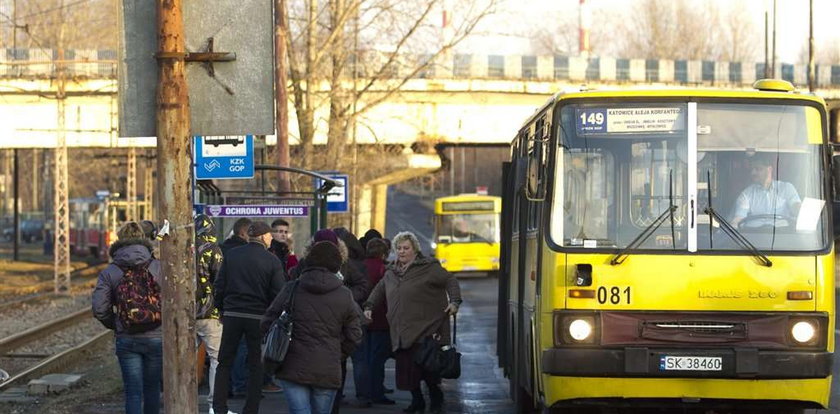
<point>766,201</point>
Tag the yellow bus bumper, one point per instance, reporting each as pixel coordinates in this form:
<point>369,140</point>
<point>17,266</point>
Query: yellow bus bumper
<point>811,391</point>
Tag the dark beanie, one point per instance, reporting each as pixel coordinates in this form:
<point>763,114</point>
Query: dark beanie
<point>324,254</point>
<point>326,235</point>
<point>258,228</point>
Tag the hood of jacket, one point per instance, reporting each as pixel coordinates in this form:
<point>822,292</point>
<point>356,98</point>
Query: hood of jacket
<point>318,280</point>
<point>342,248</point>
<point>354,247</point>
<point>131,252</point>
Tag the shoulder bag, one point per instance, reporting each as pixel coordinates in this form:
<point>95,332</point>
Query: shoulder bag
<point>450,359</point>
<point>276,341</point>
<point>442,360</point>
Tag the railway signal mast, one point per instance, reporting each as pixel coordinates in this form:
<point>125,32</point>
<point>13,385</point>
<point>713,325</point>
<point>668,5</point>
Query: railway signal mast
<point>61,182</point>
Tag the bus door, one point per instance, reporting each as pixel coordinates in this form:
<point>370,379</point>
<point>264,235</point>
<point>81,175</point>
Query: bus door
<point>502,337</point>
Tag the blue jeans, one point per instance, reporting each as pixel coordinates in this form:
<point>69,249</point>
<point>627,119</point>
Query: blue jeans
<point>303,399</point>
<point>141,363</point>
<point>361,369</point>
<point>378,349</point>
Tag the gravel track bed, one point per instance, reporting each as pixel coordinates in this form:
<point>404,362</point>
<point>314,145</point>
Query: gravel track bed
<point>55,343</point>
<point>63,339</point>
<point>27,315</point>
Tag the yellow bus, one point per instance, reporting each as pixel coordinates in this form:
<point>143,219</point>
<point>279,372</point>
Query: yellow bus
<point>669,247</point>
<point>466,235</point>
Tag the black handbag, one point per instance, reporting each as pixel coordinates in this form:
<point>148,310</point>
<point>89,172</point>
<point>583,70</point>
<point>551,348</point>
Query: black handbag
<point>442,360</point>
<point>275,344</point>
<point>450,358</point>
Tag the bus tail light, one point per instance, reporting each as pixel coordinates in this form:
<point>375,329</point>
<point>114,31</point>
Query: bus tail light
<point>575,329</point>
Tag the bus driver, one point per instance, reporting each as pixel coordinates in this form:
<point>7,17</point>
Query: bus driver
<point>765,197</point>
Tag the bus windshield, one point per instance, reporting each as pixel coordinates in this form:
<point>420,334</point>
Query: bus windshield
<point>620,167</point>
<point>468,228</point>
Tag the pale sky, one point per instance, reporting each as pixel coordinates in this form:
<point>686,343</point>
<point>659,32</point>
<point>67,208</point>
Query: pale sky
<point>516,18</point>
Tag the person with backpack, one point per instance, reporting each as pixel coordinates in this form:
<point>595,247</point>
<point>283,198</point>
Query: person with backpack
<point>250,278</point>
<point>131,286</point>
<point>208,261</point>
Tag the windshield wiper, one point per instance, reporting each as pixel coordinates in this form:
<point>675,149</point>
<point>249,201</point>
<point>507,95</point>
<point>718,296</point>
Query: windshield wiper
<point>739,238</point>
<point>643,236</point>
<point>648,231</point>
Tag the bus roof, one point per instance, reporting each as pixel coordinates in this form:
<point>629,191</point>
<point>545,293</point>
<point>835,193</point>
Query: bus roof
<point>672,92</point>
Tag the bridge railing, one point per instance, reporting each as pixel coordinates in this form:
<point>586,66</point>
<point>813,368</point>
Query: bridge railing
<point>39,63</point>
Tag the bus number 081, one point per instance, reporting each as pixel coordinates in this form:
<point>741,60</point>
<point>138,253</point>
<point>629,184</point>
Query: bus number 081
<point>614,295</point>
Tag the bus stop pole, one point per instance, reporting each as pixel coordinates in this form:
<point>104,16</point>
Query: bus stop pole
<point>313,215</point>
<point>323,211</point>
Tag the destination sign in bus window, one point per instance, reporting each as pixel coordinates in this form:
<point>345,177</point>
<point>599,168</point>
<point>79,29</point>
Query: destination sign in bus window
<point>468,206</point>
<point>629,120</point>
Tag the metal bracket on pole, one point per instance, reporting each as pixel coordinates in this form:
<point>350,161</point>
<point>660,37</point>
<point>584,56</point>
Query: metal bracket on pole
<point>208,57</point>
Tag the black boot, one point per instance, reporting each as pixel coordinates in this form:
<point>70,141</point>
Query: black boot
<point>435,399</point>
<point>418,404</point>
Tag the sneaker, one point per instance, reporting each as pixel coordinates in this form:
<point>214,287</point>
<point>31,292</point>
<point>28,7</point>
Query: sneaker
<point>385,401</point>
<point>271,388</point>
<point>212,412</point>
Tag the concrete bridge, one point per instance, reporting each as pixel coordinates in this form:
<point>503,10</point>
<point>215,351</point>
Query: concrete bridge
<point>460,100</point>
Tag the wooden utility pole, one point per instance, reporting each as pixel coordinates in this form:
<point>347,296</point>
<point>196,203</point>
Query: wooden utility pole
<point>174,161</point>
<point>281,101</point>
<point>811,67</point>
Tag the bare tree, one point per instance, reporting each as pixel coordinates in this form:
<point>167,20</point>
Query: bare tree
<point>678,29</point>
<point>89,24</point>
<point>351,55</point>
<point>739,36</point>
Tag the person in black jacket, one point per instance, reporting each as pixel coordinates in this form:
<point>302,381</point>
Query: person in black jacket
<point>326,326</point>
<point>250,278</point>
<point>239,371</point>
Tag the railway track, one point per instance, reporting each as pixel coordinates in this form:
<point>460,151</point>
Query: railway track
<point>81,278</point>
<point>21,369</point>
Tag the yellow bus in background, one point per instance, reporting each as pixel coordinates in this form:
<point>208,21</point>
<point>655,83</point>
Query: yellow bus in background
<point>670,248</point>
<point>466,235</point>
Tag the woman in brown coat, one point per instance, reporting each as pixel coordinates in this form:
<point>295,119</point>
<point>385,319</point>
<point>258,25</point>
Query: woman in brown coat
<point>420,295</point>
<point>326,326</point>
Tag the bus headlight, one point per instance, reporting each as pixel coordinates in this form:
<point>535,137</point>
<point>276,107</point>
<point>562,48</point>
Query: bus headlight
<point>580,330</point>
<point>433,245</point>
<point>803,332</point>
<point>575,329</point>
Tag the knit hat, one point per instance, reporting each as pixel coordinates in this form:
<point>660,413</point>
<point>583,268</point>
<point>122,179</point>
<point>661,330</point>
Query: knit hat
<point>324,254</point>
<point>326,235</point>
<point>258,228</point>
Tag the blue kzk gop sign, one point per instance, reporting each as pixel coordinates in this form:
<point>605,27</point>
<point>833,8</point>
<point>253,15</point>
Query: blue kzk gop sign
<point>225,157</point>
